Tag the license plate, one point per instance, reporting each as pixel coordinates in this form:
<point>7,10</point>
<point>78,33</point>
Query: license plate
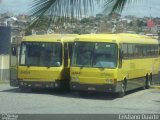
<point>91,88</point>
<point>38,85</point>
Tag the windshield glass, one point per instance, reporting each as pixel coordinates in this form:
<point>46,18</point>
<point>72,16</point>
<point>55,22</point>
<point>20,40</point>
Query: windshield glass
<point>41,54</point>
<point>103,55</point>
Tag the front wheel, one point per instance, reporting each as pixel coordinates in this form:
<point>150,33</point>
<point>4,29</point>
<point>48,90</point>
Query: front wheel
<point>83,93</point>
<point>123,90</point>
<point>148,82</point>
<point>22,88</point>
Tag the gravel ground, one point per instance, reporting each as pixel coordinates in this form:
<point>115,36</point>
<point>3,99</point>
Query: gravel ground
<point>12,100</point>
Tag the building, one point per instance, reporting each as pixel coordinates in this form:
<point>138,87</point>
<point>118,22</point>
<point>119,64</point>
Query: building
<point>5,38</point>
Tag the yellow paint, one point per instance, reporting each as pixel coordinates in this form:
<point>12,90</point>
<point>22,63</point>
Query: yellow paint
<point>46,74</point>
<point>131,68</point>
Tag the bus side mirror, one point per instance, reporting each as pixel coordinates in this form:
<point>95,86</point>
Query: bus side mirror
<point>14,50</point>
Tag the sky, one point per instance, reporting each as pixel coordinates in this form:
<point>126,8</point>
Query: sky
<point>140,9</point>
<point>15,6</point>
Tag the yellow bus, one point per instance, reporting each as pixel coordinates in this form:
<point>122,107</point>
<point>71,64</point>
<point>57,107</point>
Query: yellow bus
<point>44,61</point>
<point>113,62</point>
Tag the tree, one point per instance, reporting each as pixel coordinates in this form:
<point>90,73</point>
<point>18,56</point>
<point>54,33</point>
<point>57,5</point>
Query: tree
<point>71,8</point>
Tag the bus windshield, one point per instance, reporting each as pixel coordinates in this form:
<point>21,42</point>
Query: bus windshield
<point>41,54</point>
<point>98,55</point>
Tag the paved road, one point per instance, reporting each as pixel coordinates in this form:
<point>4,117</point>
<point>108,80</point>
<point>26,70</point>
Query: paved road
<point>12,100</point>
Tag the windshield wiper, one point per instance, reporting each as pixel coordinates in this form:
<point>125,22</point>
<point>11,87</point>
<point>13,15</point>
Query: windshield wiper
<point>28,65</point>
<point>81,66</point>
<point>48,66</point>
<point>101,68</point>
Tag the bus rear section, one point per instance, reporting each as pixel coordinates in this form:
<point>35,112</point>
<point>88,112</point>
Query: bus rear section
<point>42,63</point>
<point>99,64</point>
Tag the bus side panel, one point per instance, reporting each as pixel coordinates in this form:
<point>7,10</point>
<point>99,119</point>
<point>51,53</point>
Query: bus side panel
<point>135,71</point>
<point>65,74</point>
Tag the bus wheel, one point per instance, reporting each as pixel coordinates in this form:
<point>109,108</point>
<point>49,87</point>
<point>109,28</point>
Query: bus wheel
<point>123,89</point>
<point>22,89</point>
<point>83,93</point>
<point>148,82</point>
<point>33,89</point>
<point>145,82</point>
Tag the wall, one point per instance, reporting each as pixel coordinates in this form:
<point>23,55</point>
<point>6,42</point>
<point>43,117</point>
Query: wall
<point>5,37</point>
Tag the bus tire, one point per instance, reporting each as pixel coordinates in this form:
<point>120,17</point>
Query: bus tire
<point>22,89</point>
<point>33,89</point>
<point>82,93</point>
<point>148,82</point>
<point>123,89</point>
<point>145,82</point>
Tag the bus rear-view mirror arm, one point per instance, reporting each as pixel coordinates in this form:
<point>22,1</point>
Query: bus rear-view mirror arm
<point>14,50</point>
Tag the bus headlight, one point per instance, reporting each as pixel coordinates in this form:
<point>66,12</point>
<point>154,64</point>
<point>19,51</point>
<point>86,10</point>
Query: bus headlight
<point>110,81</point>
<point>75,79</point>
<point>56,85</point>
<point>21,83</point>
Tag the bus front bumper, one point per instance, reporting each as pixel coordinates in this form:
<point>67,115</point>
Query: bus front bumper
<point>59,84</point>
<point>95,88</point>
<point>13,82</point>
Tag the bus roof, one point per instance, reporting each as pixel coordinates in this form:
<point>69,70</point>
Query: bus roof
<point>117,38</point>
<point>50,38</point>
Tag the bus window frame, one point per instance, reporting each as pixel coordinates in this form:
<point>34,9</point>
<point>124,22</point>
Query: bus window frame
<point>117,52</point>
<point>20,53</point>
<point>150,55</point>
<point>66,55</point>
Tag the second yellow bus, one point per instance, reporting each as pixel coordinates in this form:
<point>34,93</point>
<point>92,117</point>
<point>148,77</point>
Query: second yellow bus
<point>113,62</point>
<point>44,61</point>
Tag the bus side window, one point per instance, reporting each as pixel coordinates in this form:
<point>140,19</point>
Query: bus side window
<point>65,55</point>
<point>155,50</point>
<point>135,52</point>
<point>148,51</point>
<point>125,50</point>
<point>140,50</point>
<point>144,50</point>
<point>130,50</point>
<point>120,57</point>
<point>159,49</point>
<point>152,50</point>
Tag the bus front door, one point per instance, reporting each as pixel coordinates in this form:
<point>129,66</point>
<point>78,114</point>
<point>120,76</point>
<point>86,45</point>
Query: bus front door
<point>13,65</point>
